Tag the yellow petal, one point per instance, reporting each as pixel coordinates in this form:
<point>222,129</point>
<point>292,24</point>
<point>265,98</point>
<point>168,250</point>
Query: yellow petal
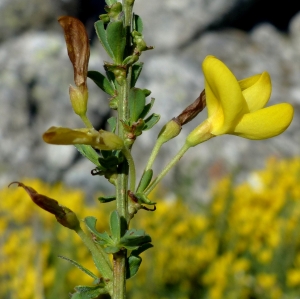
<point>265,123</point>
<point>256,90</point>
<point>224,98</point>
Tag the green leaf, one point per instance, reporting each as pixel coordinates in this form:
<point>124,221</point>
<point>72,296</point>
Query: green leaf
<point>136,103</point>
<point>112,121</point>
<point>116,40</point>
<point>141,249</point>
<point>151,121</point>
<point>110,2</point>
<point>88,152</point>
<point>134,263</point>
<point>145,180</point>
<point>115,225</point>
<point>102,35</point>
<point>134,238</point>
<point>147,108</point>
<point>90,222</point>
<point>105,199</point>
<point>138,24</point>
<point>86,292</point>
<point>136,71</point>
<point>83,269</point>
<point>102,82</point>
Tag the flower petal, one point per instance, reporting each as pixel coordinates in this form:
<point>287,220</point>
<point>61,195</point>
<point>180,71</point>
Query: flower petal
<point>222,91</point>
<point>265,123</point>
<point>256,90</point>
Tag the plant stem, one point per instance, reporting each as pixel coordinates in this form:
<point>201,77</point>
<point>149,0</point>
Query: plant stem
<point>86,121</point>
<point>131,165</point>
<point>167,169</point>
<point>153,155</point>
<point>119,259</point>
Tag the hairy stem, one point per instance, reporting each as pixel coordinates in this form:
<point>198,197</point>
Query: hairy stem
<point>119,259</point>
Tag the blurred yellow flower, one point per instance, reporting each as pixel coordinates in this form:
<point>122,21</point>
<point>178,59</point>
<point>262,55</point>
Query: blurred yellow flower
<point>237,107</point>
<point>293,277</point>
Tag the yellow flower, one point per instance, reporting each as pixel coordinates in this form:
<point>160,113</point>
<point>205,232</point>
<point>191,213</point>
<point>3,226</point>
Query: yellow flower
<point>237,107</point>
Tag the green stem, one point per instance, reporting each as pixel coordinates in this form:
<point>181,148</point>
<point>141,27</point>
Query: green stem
<point>86,121</point>
<point>100,259</point>
<point>167,169</point>
<point>153,155</point>
<point>131,165</point>
<point>119,259</point>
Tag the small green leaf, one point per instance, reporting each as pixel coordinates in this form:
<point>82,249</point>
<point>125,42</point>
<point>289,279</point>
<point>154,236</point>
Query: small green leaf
<point>112,121</point>
<point>116,40</point>
<point>102,82</point>
<point>102,35</point>
<point>136,71</point>
<point>138,24</point>
<point>86,292</point>
<point>134,238</point>
<point>105,199</point>
<point>88,272</point>
<point>90,222</point>
<point>134,263</point>
<point>151,121</point>
<point>136,103</point>
<point>145,180</point>
<point>147,108</point>
<point>88,152</point>
<point>115,225</point>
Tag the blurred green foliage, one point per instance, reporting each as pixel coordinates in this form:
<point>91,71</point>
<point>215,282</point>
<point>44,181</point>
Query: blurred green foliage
<point>244,244</point>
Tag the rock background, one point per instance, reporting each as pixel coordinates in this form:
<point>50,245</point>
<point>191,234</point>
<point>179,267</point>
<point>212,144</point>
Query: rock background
<point>35,73</point>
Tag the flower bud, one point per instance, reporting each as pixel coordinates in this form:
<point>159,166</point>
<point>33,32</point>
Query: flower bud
<point>102,140</point>
<point>169,131</point>
<point>79,99</point>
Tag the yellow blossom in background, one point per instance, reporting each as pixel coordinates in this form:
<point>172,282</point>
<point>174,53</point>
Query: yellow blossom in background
<point>244,244</point>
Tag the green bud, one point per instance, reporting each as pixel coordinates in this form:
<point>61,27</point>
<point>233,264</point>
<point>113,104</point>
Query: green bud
<point>169,131</point>
<point>115,10</point>
<point>105,18</point>
<point>79,99</point>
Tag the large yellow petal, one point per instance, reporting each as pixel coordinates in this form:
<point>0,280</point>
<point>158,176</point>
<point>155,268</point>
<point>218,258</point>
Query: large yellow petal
<point>265,123</point>
<point>222,89</point>
<point>256,90</point>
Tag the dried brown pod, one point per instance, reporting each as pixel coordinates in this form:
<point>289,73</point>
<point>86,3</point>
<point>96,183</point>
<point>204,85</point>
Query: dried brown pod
<point>63,215</point>
<point>190,112</point>
<point>78,47</point>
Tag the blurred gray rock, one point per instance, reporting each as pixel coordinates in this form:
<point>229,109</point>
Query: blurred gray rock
<point>35,73</point>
